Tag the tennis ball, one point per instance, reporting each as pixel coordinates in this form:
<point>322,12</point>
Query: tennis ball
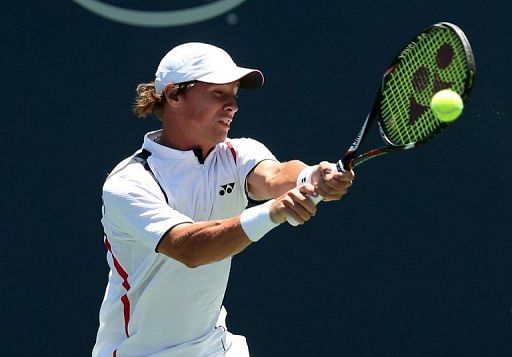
<point>446,105</point>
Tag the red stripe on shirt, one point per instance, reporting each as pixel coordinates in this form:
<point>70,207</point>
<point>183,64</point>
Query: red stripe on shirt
<point>232,149</point>
<point>124,275</point>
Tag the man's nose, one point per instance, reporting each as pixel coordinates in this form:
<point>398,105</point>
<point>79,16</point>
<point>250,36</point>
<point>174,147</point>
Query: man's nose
<point>231,107</point>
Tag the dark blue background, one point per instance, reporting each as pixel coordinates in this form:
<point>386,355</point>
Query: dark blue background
<point>415,261</point>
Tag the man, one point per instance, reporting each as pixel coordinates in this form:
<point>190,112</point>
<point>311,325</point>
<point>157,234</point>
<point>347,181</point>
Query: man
<point>175,212</point>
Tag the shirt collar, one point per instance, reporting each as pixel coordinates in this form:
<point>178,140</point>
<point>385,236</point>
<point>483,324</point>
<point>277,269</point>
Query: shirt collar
<point>166,152</point>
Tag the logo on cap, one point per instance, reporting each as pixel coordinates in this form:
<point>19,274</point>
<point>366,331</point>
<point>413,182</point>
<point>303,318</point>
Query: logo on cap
<point>159,18</point>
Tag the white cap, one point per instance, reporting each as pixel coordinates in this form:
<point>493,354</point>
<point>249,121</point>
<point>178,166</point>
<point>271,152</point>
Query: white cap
<point>197,61</point>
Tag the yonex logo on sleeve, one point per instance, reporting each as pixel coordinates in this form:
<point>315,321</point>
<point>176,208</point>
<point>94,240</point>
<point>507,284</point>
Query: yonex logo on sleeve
<point>227,188</point>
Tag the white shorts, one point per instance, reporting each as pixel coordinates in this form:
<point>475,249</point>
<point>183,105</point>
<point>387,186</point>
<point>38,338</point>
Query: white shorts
<point>218,343</point>
<point>236,346</point>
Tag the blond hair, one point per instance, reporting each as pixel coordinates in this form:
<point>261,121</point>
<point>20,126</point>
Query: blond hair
<point>147,101</point>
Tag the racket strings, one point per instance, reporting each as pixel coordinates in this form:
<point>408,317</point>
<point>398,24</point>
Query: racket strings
<point>435,60</point>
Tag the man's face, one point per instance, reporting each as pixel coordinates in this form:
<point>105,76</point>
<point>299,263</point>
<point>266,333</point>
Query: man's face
<point>209,109</point>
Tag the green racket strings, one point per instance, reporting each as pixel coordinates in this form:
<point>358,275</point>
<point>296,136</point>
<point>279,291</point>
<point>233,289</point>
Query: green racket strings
<point>434,61</point>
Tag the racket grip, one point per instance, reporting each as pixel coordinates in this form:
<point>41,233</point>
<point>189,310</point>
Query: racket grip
<point>341,167</point>
<point>315,201</point>
<point>307,178</point>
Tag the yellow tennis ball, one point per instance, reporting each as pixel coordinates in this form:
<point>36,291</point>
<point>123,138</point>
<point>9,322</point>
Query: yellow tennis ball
<point>446,105</point>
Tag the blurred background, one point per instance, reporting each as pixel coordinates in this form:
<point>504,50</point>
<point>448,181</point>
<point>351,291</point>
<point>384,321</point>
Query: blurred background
<point>414,261</point>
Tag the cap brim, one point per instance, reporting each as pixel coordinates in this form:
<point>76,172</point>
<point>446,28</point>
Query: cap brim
<point>252,80</point>
<point>249,78</point>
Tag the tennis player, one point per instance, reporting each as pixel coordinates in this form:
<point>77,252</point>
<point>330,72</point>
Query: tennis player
<point>174,213</point>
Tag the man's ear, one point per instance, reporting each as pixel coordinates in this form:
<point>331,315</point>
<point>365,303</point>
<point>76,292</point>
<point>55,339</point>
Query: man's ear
<point>170,94</point>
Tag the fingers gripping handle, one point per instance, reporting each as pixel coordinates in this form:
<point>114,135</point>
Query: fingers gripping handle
<point>305,177</point>
<point>312,198</point>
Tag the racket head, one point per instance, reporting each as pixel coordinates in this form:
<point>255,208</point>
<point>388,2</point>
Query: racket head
<point>440,57</point>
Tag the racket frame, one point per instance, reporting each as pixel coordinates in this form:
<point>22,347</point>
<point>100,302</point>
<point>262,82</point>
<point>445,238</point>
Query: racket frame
<point>351,159</point>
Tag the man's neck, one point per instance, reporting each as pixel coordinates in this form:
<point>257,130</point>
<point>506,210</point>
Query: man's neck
<point>200,153</point>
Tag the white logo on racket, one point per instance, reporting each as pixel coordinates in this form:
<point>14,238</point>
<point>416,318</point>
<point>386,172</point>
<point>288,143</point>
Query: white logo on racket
<point>355,144</point>
<point>359,136</point>
<point>159,18</point>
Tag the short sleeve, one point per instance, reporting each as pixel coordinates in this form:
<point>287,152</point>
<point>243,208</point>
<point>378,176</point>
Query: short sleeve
<point>249,154</point>
<point>137,210</point>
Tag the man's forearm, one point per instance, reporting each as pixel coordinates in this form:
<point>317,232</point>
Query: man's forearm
<point>202,243</point>
<point>271,179</point>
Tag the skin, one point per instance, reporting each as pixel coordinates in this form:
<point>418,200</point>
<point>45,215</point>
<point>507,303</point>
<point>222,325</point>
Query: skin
<point>199,119</point>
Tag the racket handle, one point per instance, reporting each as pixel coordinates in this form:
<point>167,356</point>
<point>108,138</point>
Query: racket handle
<point>341,166</point>
<point>315,201</point>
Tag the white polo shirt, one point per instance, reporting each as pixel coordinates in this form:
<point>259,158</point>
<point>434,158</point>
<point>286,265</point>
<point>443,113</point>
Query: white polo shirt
<point>153,304</point>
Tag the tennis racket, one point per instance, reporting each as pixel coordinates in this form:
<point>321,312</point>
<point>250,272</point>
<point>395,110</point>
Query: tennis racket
<point>440,57</point>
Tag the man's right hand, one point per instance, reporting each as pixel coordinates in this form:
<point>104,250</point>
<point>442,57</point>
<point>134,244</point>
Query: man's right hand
<point>294,204</point>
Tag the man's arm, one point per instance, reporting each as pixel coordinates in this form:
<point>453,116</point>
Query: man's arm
<point>196,244</point>
<point>271,179</point>
<point>200,243</point>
